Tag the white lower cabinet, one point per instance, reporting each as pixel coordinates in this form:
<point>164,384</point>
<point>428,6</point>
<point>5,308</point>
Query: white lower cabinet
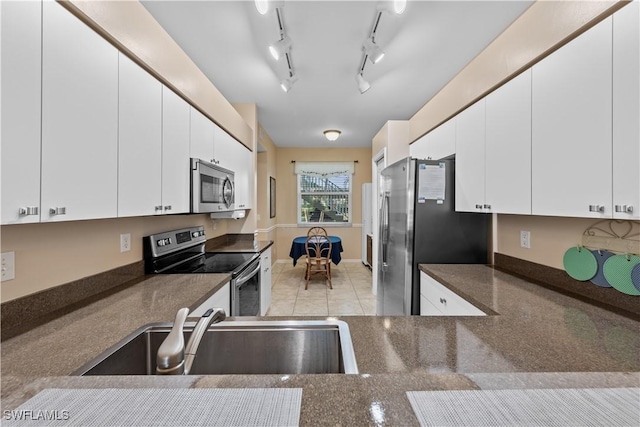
<point>79,120</point>
<point>221,299</point>
<point>21,39</point>
<point>438,300</point>
<point>265,281</point>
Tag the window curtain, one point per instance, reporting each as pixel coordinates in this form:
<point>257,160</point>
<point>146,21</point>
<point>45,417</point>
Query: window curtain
<point>324,169</point>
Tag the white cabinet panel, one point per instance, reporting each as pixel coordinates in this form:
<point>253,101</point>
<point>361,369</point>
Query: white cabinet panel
<point>79,120</point>
<point>626,112</point>
<point>438,144</point>
<point>21,94</point>
<point>139,141</point>
<point>202,135</point>
<point>508,147</point>
<point>221,299</point>
<point>265,281</point>
<point>175,153</point>
<point>571,143</point>
<point>443,300</point>
<point>470,153</point>
<point>242,166</point>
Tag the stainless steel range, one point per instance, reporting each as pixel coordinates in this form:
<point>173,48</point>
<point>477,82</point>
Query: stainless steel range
<point>183,252</point>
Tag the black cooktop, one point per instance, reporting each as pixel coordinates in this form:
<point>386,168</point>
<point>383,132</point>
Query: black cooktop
<point>216,262</point>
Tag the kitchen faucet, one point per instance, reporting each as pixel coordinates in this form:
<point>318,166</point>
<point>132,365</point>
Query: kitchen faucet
<point>173,358</point>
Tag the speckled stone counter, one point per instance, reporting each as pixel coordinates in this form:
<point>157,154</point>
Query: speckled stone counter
<point>230,244</point>
<point>536,339</point>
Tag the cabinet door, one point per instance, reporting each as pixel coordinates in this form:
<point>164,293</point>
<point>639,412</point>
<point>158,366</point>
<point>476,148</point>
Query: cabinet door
<point>441,142</point>
<point>224,147</point>
<point>470,168</point>
<point>21,94</point>
<point>508,147</point>
<point>419,150</point>
<point>175,153</point>
<point>242,166</point>
<point>201,139</point>
<point>79,120</point>
<point>626,112</point>
<point>265,281</point>
<point>139,141</point>
<point>221,299</point>
<point>571,113</point>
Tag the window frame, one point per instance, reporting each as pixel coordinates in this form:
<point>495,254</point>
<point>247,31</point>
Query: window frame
<point>325,224</point>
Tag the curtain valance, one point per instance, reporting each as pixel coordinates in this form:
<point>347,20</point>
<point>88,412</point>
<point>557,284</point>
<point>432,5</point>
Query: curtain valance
<point>324,169</point>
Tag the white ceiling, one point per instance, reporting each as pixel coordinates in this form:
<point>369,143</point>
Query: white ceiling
<point>425,47</point>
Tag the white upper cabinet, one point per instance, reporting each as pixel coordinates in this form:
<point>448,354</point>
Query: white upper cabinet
<point>175,153</point>
<point>572,128</point>
<point>202,135</point>
<point>508,147</point>
<point>626,112</point>
<point>79,120</point>
<point>224,149</point>
<point>21,89</point>
<point>470,166</point>
<point>242,166</point>
<point>438,144</point>
<point>139,141</point>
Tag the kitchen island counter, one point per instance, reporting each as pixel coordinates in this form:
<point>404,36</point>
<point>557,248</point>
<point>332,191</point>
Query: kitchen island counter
<point>537,339</point>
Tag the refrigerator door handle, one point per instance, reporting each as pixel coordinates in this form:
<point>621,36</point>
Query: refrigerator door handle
<point>385,229</point>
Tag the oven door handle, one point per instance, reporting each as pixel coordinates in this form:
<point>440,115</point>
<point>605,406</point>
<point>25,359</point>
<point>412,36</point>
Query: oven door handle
<point>245,278</point>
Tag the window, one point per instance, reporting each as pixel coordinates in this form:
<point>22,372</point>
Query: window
<point>324,193</point>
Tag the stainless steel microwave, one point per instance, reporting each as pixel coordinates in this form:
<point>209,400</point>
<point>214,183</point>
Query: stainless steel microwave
<point>212,187</point>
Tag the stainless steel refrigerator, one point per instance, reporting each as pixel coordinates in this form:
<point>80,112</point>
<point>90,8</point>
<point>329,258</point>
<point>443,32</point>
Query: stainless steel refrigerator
<point>419,225</point>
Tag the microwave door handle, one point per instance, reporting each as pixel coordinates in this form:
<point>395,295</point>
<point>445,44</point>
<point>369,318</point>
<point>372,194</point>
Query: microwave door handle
<point>228,200</point>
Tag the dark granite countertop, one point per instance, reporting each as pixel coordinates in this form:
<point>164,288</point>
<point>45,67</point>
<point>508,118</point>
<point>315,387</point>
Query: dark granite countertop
<point>537,339</point>
<point>230,244</point>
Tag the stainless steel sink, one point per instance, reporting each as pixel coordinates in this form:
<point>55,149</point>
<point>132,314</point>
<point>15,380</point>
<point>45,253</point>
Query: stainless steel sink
<point>239,347</point>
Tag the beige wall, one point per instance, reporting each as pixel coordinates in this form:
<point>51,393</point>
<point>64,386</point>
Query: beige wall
<point>51,254</point>
<point>129,26</point>
<point>266,168</point>
<point>287,205</point>
<point>394,136</point>
<point>542,28</point>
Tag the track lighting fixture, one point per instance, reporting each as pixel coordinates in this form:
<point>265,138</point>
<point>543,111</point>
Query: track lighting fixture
<point>363,85</point>
<point>393,6</point>
<point>279,48</point>
<point>287,83</point>
<point>265,6</point>
<point>373,51</point>
<point>331,134</point>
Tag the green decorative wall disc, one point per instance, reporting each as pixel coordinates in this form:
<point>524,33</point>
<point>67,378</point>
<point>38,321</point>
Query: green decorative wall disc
<point>617,270</point>
<point>580,263</point>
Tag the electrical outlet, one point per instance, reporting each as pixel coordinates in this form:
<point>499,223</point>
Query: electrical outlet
<point>8,266</point>
<point>125,242</point>
<point>525,239</point>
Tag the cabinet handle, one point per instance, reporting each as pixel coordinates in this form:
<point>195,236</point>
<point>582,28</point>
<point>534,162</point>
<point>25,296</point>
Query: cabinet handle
<point>443,301</point>
<point>487,206</point>
<point>28,210</point>
<point>596,208</point>
<point>624,208</point>
<point>58,211</point>
<point>158,208</point>
<point>167,208</point>
<point>478,206</point>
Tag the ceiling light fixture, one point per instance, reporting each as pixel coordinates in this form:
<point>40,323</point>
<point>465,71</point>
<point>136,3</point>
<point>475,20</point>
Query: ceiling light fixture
<point>373,51</point>
<point>279,48</point>
<point>363,85</point>
<point>332,134</point>
<point>287,83</point>
<point>265,6</point>
<point>399,6</point>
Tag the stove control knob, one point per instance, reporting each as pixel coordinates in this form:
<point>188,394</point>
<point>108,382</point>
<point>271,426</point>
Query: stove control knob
<point>195,234</point>
<point>161,242</point>
<point>168,241</point>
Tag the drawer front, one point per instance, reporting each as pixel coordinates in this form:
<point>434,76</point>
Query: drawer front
<point>428,309</point>
<point>445,300</point>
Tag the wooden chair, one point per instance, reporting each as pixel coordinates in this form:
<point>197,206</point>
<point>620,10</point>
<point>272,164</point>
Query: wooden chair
<point>317,231</point>
<point>318,258</point>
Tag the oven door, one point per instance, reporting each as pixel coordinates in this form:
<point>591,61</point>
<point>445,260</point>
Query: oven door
<point>212,187</point>
<point>245,291</point>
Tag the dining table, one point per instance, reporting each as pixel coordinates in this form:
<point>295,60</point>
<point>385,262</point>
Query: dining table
<point>298,249</point>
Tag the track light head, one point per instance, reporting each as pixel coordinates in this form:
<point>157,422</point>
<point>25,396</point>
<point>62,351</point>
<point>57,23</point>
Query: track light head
<point>287,83</point>
<point>279,48</point>
<point>363,85</point>
<point>265,6</point>
<point>393,6</point>
<point>373,51</point>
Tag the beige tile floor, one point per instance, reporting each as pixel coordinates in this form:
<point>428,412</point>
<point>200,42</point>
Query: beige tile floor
<point>351,294</point>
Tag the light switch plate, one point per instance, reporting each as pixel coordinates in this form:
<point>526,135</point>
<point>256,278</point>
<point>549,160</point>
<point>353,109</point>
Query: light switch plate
<point>8,266</point>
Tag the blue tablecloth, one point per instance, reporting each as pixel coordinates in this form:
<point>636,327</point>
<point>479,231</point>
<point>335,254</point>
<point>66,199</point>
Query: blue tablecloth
<point>298,250</point>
